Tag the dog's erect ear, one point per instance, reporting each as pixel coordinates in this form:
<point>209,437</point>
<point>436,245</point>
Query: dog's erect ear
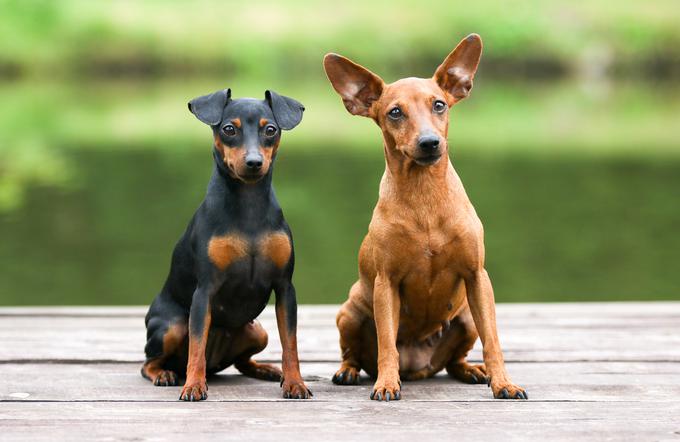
<point>209,108</point>
<point>358,87</point>
<point>455,74</point>
<point>287,112</point>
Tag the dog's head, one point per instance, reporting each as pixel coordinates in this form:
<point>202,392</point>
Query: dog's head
<point>247,131</point>
<point>412,112</point>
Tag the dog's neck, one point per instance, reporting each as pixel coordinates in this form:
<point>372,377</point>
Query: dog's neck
<point>408,178</point>
<point>250,200</point>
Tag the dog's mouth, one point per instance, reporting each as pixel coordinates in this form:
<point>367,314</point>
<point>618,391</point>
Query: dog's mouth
<point>427,160</point>
<point>246,177</point>
<point>250,178</point>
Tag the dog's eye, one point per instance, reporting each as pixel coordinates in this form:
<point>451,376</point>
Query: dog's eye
<point>229,130</point>
<point>439,106</point>
<point>395,113</point>
<point>270,131</point>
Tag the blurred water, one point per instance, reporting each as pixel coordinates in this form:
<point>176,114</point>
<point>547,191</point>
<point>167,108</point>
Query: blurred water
<point>556,228</point>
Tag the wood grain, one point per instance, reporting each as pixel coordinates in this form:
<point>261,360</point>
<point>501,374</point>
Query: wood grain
<point>580,381</point>
<point>528,333</point>
<point>593,371</point>
<point>348,421</point>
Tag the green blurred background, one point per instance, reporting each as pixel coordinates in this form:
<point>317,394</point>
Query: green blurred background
<point>569,146</point>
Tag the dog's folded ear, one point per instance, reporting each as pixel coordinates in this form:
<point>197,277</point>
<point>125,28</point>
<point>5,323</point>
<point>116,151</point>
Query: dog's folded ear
<point>455,74</point>
<point>287,111</point>
<point>358,87</point>
<point>209,108</point>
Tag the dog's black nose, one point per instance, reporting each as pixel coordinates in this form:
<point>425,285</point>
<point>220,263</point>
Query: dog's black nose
<point>428,143</point>
<point>254,163</point>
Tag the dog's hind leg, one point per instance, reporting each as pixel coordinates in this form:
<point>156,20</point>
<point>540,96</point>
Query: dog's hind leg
<point>249,340</point>
<point>154,369</point>
<point>463,335</point>
<point>166,336</point>
<point>350,321</point>
<point>450,352</point>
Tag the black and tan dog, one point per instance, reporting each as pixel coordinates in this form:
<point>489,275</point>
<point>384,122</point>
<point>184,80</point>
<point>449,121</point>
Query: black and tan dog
<point>235,251</point>
<point>423,294</point>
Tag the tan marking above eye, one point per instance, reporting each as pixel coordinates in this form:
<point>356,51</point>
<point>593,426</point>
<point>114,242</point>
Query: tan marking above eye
<point>276,246</point>
<point>236,122</point>
<point>263,121</point>
<point>224,250</point>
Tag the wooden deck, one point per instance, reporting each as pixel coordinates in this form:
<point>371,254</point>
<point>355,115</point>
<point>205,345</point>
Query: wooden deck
<point>593,371</point>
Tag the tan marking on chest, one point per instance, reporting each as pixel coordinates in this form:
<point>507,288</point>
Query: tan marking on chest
<point>276,247</point>
<point>224,250</point>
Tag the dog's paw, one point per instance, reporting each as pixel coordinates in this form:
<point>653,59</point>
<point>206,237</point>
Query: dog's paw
<point>346,376</point>
<point>470,374</point>
<point>265,372</point>
<point>165,378</point>
<point>194,391</point>
<point>508,390</point>
<point>295,389</point>
<point>386,389</point>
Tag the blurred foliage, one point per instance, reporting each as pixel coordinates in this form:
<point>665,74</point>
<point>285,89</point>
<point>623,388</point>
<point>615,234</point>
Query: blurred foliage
<point>152,36</point>
<point>41,122</point>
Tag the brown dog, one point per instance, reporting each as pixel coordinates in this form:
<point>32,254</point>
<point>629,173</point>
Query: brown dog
<point>423,295</point>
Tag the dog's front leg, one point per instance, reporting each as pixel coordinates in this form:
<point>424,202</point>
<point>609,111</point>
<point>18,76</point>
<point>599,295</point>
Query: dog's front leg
<point>482,305</point>
<point>286,318</point>
<point>386,305</point>
<point>195,387</point>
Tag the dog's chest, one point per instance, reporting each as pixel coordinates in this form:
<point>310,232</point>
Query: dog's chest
<point>429,251</point>
<point>268,248</point>
<point>250,266</point>
<point>431,286</point>
<point>432,261</point>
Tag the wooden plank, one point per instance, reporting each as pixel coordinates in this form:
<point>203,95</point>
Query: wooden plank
<point>558,313</point>
<point>76,311</point>
<point>605,382</point>
<point>529,332</point>
<point>576,391</point>
<point>355,420</point>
